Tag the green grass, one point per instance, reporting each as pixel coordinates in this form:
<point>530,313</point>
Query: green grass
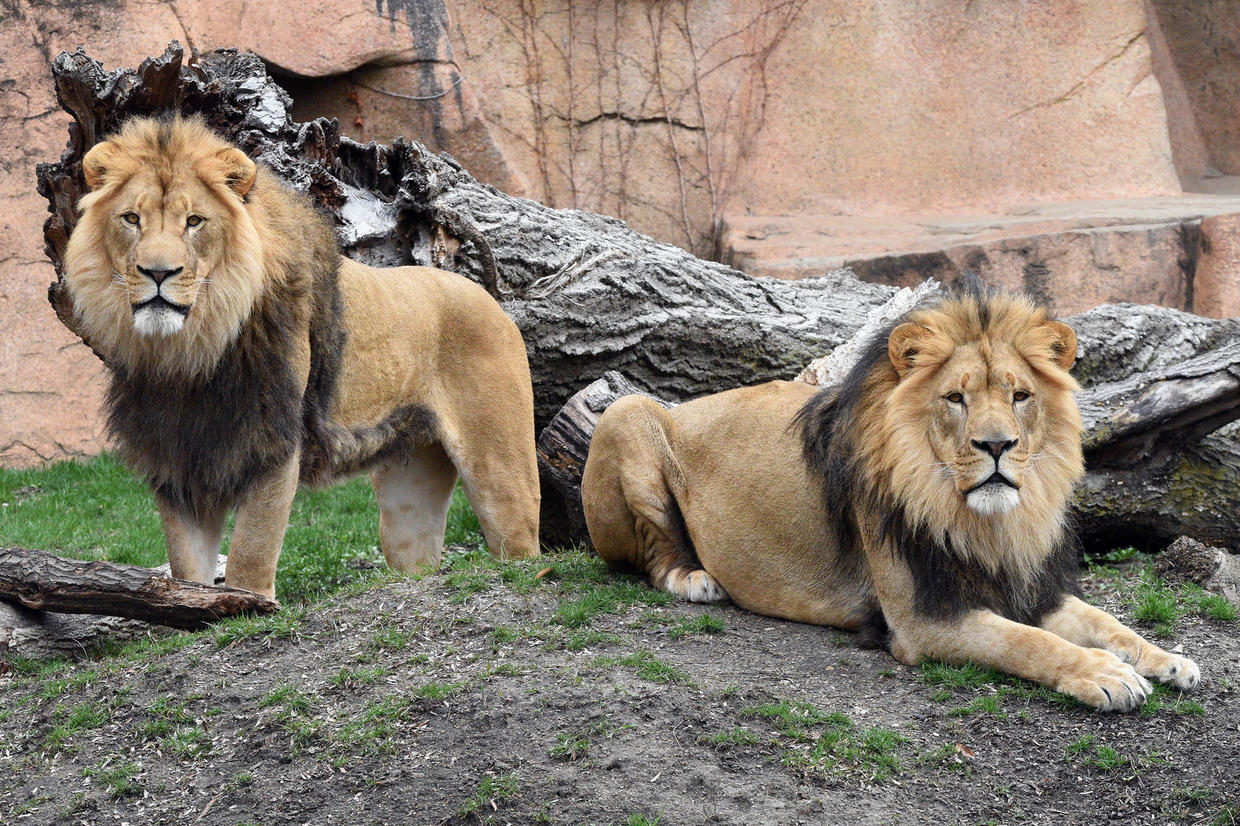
<point>606,598</point>
<point>187,742</point>
<point>98,510</point>
<point>648,667</point>
<point>86,510</point>
<point>490,790</point>
<point>1089,752</point>
<point>374,729</point>
<point>1217,607</point>
<point>1106,758</point>
<point>794,718</point>
<point>118,780</point>
<point>1079,746</point>
<point>283,624</point>
<point>1157,603</point>
<point>568,745</point>
<point>437,692</point>
<point>165,716</point>
<point>287,696</point>
<point>572,744</point>
<point>1228,815</point>
<point>827,742</point>
<point>583,638</point>
<point>1154,601</point>
<point>960,676</point>
<point>988,704</point>
<point>354,677</point>
<point>1164,698</point>
<point>701,624</point>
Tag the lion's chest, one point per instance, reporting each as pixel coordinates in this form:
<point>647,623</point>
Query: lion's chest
<point>202,443</point>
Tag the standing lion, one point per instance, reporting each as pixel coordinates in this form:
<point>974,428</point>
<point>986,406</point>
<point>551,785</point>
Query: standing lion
<point>247,355</point>
<point>922,503</point>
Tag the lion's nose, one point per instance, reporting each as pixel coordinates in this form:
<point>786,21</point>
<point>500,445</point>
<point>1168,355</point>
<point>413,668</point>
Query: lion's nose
<point>158,276</point>
<point>995,448</point>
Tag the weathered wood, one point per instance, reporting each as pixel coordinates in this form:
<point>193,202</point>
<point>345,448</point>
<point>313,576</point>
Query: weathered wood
<point>562,448</point>
<point>1214,569</point>
<point>46,582</point>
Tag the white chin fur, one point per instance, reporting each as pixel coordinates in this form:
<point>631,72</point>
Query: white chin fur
<point>158,321</point>
<point>993,499</point>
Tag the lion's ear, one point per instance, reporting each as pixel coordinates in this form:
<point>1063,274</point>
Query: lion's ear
<point>903,345</point>
<point>97,162</point>
<point>1063,343</point>
<point>237,170</point>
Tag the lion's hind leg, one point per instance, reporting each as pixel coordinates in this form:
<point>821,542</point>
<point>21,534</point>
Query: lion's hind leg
<point>414,491</point>
<point>628,491</point>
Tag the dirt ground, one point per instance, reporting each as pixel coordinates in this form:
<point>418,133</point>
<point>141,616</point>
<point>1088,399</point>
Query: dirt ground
<point>490,694</point>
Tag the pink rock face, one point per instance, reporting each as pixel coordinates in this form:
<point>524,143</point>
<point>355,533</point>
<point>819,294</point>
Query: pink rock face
<point>1202,39</point>
<point>902,107</point>
<point>315,38</point>
<point>1217,286</point>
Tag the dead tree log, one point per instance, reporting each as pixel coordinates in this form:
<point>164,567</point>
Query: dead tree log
<point>46,582</point>
<point>27,632</point>
<point>588,294</point>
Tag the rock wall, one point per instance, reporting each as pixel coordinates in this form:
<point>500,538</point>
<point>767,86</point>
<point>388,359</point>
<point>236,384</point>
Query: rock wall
<point>702,123</point>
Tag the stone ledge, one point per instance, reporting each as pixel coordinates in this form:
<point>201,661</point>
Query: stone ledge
<point>1173,251</point>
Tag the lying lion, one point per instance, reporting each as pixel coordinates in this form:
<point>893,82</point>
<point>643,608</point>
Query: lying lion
<point>922,503</point>
<point>246,355</point>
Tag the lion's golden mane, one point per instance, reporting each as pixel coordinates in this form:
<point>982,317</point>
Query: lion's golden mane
<point>869,440</point>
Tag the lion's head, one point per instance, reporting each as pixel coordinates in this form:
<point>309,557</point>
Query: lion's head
<point>165,263</point>
<point>962,419</point>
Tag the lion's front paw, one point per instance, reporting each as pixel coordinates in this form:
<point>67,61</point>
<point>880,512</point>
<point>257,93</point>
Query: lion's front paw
<point>1152,662</point>
<point>1173,669</point>
<point>1103,681</point>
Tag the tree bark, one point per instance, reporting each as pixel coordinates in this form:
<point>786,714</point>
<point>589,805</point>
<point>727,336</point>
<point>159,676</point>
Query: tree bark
<point>591,296</point>
<point>46,582</point>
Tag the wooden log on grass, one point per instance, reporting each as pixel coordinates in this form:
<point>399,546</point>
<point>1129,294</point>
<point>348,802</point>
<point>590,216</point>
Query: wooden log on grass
<point>45,582</point>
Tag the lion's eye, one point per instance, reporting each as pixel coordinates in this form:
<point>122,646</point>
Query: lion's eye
<point>194,220</point>
<point>955,398</point>
<point>1020,396</point>
<point>131,218</point>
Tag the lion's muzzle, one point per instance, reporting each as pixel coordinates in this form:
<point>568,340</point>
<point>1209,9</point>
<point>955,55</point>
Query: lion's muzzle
<point>157,316</point>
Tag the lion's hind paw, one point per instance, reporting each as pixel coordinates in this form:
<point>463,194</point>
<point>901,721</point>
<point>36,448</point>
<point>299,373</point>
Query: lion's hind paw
<point>694,585</point>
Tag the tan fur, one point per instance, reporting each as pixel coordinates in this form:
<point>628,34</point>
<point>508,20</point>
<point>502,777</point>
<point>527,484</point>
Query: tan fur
<point>422,344</point>
<point>719,489</point>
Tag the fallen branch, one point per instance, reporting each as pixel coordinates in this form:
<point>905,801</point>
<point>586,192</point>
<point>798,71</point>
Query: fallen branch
<point>46,582</point>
